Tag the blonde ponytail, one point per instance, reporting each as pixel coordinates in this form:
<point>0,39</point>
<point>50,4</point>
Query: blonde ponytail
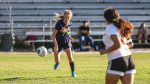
<point>58,17</point>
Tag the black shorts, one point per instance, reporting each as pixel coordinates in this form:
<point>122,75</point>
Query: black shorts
<point>64,46</point>
<point>121,66</point>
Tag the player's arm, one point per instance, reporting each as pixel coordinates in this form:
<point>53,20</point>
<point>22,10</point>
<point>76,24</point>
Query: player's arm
<point>53,36</point>
<point>71,38</point>
<point>54,40</point>
<point>130,43</point>
<point>116,45</point>
<point>83,31</point>
<point>57,27</point>
<point>139,31</point>
<point>145,30</point>
<point>89,31</point>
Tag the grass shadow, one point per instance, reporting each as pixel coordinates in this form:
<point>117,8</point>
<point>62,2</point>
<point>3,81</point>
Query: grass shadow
<point>23,78</point>
<point>11,79</point>
<point>63,77</point>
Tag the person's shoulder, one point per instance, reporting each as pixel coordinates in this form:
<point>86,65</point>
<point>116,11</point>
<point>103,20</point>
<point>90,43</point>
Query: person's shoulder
<point>81,27</point>
<point>88,26</point>
<point>111,27</point>
<point>70,23</point>
<point>60,22</point>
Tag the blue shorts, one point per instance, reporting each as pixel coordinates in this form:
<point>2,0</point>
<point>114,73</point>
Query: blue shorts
<point>64,46</point>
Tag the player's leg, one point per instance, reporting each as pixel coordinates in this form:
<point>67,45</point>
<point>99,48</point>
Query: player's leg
<point>57,57</point>
<point>146,37</point>
<point>140,37</point>
<point>116,69</point>
<point>127,78</point>
<point>69,54</point>
<point>57,60</point>
<point>72,50</point>
<point>90,39</point>
<point>82,38</point>
<point>112,78</point>
<point>70,58</point>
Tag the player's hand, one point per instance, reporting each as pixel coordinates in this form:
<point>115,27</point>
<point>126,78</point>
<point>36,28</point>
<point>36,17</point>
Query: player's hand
<point>56,49</point>
<point>102,51</point>
<point>72,40</point>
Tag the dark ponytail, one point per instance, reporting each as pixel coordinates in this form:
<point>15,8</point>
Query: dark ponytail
<point>140,27</point>
<point>112,16</point>
<point>125,27</point>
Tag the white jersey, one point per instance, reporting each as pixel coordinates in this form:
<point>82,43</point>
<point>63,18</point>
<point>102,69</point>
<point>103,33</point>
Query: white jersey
<point>120,52</point>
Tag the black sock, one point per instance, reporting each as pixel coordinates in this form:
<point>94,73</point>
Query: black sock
<point>72,66</point>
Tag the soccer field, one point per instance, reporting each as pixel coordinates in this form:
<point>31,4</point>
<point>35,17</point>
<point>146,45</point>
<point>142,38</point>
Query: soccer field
<point>90,69</point>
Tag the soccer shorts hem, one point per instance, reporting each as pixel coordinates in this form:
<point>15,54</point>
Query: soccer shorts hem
<point>121,66</point>
<point>64,46</point>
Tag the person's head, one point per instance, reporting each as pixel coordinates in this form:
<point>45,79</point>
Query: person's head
<point>85,24</point>
<point>66,16</point>
<point>142,25</point>
<point>111,15</point>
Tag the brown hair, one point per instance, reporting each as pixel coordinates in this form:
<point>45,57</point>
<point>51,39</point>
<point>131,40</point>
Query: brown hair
<point>60,17</point>
<point>140,27</point>
<point>84,21</point>
<point>112,16</point>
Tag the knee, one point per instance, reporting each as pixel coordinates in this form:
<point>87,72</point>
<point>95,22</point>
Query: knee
<point>81,38</point>
<point>90,38</point>
<point>70,59</point>
<point>146,35</point>
<point>140,35</point>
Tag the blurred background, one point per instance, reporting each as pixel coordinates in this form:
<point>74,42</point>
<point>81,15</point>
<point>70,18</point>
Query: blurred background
<point>27,24</point>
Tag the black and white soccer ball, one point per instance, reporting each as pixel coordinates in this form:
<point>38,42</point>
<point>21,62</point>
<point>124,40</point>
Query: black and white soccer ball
<point>50,50</point>
<point>42,51</point>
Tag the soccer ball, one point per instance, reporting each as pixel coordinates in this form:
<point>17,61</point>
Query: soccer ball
<point>50,50</point>
<point>42,51</point>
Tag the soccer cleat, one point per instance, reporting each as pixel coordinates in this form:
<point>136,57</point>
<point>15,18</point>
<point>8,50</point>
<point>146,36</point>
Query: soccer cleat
<point>56,65</point>
<point>146,42</point>
<point>139,42</point>
<point>73,74</point>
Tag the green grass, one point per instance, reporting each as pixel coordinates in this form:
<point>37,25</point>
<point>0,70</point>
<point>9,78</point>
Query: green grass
<point>90,69</point>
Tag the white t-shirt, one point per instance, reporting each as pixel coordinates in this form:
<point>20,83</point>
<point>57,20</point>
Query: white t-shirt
<point>120,52</point>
